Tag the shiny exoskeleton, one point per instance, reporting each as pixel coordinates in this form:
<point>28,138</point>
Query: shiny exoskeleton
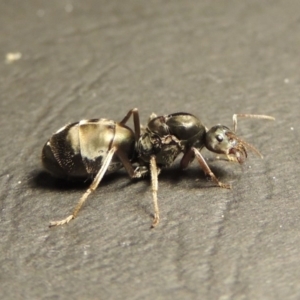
<point>91,149</point>
<point>94,147</point>
<point>167,136</point>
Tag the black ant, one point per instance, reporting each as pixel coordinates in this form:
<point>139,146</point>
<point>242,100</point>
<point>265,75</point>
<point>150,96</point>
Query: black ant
<point>93,148</point>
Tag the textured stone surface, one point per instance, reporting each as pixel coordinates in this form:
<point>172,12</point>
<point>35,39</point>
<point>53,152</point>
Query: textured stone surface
<point>92,59</point>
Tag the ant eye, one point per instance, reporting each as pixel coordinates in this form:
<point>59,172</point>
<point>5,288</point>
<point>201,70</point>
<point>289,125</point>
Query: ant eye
<point>219,138</point>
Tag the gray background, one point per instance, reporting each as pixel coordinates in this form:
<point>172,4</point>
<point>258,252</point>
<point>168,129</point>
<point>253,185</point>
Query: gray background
<point>93,59</point>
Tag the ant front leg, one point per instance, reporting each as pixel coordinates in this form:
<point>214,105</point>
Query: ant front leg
<point>206,168</point>
<point>187,158</point>
<point>236,116</point>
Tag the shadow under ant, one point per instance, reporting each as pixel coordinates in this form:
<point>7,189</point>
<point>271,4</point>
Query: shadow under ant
<point>44,180</point>
<point>172,175</point>
<point>193,174</point>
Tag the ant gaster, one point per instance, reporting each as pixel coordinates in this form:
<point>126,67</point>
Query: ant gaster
<point>93,148</point>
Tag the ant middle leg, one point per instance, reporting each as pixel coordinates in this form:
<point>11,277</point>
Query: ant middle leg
<point>154,183</point>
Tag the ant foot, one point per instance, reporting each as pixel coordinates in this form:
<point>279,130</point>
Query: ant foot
<point>61,222</point>
<point>155,221</point>
<point>224,185</point>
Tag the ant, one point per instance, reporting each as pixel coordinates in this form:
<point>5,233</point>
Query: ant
<point>93,148</point>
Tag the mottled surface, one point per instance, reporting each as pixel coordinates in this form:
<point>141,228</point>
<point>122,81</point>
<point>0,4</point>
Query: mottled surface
<point>63,61</point>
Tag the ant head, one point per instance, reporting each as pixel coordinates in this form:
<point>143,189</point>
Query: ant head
<point>220,139</point>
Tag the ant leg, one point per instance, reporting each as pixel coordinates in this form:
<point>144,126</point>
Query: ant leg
<point>92,188</point>
<point>187,158</point>
<point>226,157</point>
<point>207,169</point>
<point>133,173</point>
<point>154,183</point>
<point>152,116</point>
<point>136,121</point>
<point>235,116</point>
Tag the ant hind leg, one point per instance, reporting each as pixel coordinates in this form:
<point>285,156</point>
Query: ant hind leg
<point>92,188</point>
